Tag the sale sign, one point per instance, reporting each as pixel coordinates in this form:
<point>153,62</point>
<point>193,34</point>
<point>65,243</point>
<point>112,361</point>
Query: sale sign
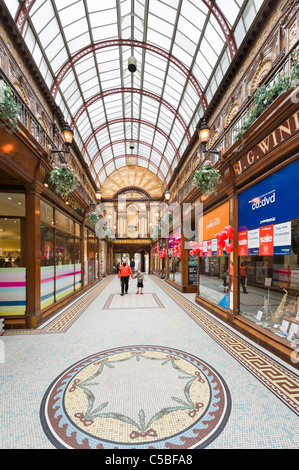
<point>266,240</point>
<point>209,248</point>
<point>243,243</point>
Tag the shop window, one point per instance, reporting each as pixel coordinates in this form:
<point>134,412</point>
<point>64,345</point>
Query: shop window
<point>12,254</point>
<point>60,256</point>
<point>92,254</point>
<point>269,288</point>
<point>64,222</point>
<point>214,279</point>
<point>64,277</point>
<point>47,265</point>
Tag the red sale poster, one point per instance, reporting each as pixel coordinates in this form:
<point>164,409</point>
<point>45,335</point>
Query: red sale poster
<point>266,241</point>
<point>243,243</point>
<point>209,248</point>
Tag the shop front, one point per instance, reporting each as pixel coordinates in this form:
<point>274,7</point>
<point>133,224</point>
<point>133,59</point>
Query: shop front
<point>268,253</point>
<point>12,254</point>
<point>214,280</point>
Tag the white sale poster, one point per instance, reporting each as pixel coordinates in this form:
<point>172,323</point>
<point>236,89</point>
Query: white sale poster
<point>282,238</point>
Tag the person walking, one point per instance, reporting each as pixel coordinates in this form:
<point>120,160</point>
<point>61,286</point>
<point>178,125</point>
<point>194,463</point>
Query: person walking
<point>140,279</point>
<point>124,274</point>
<point>243,278</point>
<point>132,265</point>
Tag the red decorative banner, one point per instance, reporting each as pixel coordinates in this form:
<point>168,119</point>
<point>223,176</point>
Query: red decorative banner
<point>243,243</point>
<point>266,241</point>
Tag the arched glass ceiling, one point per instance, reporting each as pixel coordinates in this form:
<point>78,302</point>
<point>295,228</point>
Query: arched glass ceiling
<point>182,47</point>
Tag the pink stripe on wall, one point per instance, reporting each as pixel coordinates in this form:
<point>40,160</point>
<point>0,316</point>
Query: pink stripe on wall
<point>12,284</point>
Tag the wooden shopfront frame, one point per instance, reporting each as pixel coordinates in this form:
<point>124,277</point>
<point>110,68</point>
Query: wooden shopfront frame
<point>270,144</point>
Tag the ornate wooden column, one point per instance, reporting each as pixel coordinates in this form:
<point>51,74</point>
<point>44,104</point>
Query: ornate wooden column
<point>33,276</point>
<point>233,216</point>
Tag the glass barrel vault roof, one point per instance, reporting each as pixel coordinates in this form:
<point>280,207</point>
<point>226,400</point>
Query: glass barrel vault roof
<point>182,47</point>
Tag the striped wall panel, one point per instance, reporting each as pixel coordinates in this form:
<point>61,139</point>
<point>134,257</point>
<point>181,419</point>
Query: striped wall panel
<point>64,280</point>
<point>12,291</point>
<point>47,286</point>
<point>77,276</point>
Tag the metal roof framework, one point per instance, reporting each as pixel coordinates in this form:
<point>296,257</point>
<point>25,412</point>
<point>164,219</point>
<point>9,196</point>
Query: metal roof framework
<point>183,49</point>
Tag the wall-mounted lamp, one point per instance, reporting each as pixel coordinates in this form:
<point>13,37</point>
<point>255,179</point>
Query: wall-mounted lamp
<point>67,136</point>
<point>204,136</point>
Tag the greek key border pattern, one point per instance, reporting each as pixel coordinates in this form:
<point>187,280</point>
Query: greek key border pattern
<point>64,321</point>
<point>281,381</point>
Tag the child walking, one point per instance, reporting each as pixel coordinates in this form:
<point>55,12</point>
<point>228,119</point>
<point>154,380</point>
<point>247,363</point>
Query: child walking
<point>140,278</point>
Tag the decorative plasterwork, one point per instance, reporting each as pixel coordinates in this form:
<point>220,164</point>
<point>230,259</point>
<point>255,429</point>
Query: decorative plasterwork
<point>262,70</point>
<point>138,177</point>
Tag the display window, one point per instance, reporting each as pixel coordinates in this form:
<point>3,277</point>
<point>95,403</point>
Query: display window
<point>12,254</point>
<point>215,272</point>
<point>59,255</point>
<point>268,249</point>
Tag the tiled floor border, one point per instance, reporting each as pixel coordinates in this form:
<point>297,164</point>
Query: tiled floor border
<point>282,382</point>
<point>63,321</point>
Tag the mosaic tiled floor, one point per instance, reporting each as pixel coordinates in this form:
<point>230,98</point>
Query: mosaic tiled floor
<point>169,377</point>
<point>135,301</point>
<point>145,397</point>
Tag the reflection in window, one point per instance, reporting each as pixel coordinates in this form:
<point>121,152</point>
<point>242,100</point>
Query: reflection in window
<point>269,290</point>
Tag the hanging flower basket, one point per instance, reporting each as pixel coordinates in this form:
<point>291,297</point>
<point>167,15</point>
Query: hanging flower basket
<point>64,179</point>
<point>92,218</point>
<point>206,179</point>
<point>9,109</point>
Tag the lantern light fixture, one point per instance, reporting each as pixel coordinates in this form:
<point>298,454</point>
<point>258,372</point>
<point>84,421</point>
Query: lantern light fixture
<point>204,136</point>
<point>67,137</point>
<point>98,195</point>
<point>167,194</point>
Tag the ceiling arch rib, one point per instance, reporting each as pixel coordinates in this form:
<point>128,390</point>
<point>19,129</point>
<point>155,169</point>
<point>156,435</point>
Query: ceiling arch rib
<point>183,49</point>
<point>138,156</point>
<point>122,141</point>
<point>154,96</point>
<point>26,5</point>
<point>132,120</point>
<point>130,43</point>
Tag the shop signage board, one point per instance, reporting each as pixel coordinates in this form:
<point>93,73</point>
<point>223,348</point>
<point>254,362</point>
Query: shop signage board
<point>280,135</point>
<point>265,213</point>
<point>209,248</point>
<point>214,221</point>
<point>273,200</point>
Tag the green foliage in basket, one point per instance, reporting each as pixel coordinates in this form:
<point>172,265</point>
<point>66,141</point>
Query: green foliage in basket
<point>92,218</point>
<point>206,179</point>
<point>265,95</point>
<point>64,179</point>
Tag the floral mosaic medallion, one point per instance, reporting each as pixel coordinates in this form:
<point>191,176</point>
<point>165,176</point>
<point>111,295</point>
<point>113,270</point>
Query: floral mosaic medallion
<point>141,397</point>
